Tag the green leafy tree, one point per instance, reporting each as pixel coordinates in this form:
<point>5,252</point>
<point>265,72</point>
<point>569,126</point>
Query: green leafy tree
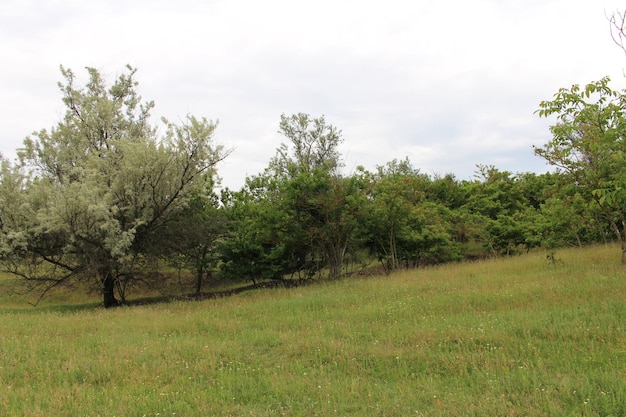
<point>447,191</point>
<point>323,204</point>
<point>263,239</point>
<point>570,219</point>
<point>429,237</point>
<point>298,216</point>
<point>95,191</point>
<point>494,206</point>
<point>396,189</point>
<point>191,238</point>
<point>327,209</point>
<point>407,223</point>
<point>588,143</point>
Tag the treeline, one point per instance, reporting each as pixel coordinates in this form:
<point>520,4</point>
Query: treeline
<point>301,218</point>
<point>106,198</point>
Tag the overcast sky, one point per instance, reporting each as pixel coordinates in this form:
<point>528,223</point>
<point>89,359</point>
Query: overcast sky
<point>448,84</point>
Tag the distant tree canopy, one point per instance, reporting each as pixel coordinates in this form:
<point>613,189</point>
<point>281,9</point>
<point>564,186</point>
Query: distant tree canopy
<point>101,196</point>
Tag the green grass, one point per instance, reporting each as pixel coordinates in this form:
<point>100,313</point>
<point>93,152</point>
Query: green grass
<point>509,337</point>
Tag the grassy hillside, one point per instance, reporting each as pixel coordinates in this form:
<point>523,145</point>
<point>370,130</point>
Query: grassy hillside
<point>515,336</point>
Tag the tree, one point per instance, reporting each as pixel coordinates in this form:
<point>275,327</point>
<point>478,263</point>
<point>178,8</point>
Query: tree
<point>568,218</point>
<point>617,26</point>
<point>263,240</point>
<point>589,144</point>
<point>313,144</point>
<point>407,223</point>
<point>323,203</point>
<point>495,205</point>
<point>429,238</point>
<point>326,209</point>
<point>299,215</point>
<point>92,194</point>
<point>191,238</point>
<point>396,189</point>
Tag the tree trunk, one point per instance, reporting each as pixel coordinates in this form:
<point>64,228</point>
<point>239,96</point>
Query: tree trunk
<point>334,259</point>
<point>108,290</point>
<point>616,230</point>
<point>620,238</point>
<point>199,280</point>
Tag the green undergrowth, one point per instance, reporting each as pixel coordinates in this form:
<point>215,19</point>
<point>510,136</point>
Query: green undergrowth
<point>508,337</point>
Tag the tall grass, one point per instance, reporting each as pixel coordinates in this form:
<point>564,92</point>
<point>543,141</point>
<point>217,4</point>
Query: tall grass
<point>516,336</point>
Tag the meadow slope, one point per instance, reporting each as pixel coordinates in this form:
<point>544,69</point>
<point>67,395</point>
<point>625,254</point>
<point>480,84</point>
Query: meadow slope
<point>509,337</point>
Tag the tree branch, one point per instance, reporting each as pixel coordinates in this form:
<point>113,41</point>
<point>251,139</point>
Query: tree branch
<point>618,29</point>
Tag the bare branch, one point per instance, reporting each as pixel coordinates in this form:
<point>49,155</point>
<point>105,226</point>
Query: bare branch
<point>618,29</point>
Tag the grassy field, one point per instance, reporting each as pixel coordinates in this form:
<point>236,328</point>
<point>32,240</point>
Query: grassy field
<point>510,337</point>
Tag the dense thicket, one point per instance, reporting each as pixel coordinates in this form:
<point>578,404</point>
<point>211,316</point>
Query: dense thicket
<point>101,197</point>
<point>301,220</point>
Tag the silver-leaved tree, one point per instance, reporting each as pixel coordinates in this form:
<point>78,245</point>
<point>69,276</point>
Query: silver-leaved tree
<point>90,196</point>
